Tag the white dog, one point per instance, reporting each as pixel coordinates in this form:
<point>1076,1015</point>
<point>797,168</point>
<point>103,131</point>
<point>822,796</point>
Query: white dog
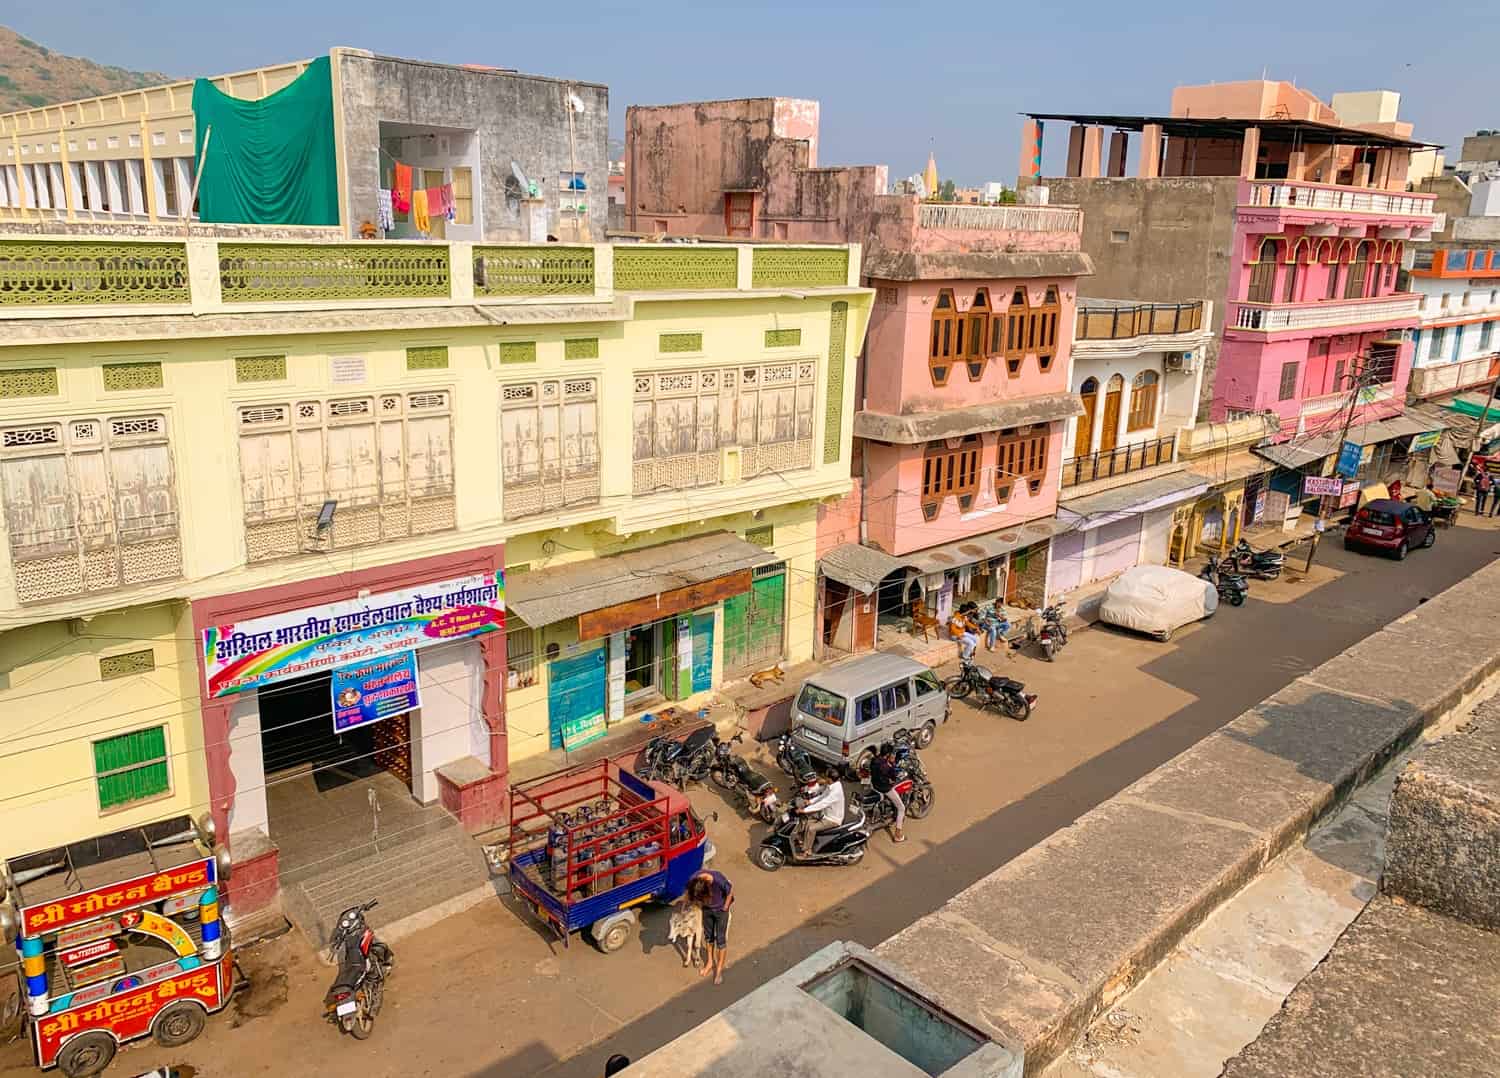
<point>687,925</point>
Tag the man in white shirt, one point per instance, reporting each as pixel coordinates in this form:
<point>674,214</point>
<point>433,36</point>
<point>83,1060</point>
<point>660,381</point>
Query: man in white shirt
<point>823,811</point>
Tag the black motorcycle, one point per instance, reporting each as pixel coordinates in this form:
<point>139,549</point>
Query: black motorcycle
<point>1003,694</point>
<point>1242,558</point>
<point>354,998</point>
<point>841,845</point>
<point>731,772</point>
<point>1050,631</point>
<point>913,786</point>
<point>791,757</point>
<point>679,762</point>
<point>1232,587</point>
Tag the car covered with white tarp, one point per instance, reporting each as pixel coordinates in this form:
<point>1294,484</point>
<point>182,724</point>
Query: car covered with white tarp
<point>1156,599</point>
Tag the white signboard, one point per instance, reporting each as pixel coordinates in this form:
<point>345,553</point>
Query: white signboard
<point>347,370</point>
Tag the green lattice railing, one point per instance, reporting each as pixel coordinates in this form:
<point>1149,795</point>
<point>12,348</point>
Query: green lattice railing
<point>294,272</point>
<point>780,267</point>
<point>534,271</point>
<point>667,269</point>
<point>59,272</point>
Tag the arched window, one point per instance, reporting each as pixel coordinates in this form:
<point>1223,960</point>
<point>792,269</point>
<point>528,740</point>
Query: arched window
<point>1143,401</point>
<point>1359,273</point>
<point>976,337</point>
<point>1083,440</point>
<point>947,331</point>
<point>1263,274</point>
<point>1340,259</point>
<point>1295,271</point>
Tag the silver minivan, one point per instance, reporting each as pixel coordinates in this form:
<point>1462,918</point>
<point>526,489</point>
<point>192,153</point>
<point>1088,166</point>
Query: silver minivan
<point>842,714</point>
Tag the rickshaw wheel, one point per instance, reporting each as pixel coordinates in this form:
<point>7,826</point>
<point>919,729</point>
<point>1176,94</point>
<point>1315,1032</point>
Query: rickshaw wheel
<point>87,1054</point>
<point>178,1024</point>
<point>615,936</point>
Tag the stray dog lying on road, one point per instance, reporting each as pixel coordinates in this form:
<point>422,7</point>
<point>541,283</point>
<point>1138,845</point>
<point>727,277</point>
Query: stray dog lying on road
<point>687,925</point>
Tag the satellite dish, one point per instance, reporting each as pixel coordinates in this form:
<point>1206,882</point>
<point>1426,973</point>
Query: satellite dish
<point>575,102</point>
<point>515,170</point>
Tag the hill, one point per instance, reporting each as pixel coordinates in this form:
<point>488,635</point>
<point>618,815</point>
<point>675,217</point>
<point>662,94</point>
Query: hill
<point>32,75</point>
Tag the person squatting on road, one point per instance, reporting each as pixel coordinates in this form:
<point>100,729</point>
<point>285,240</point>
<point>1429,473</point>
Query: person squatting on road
<point>823,811</point>
<point>883,779</point>
<point>714,894</point>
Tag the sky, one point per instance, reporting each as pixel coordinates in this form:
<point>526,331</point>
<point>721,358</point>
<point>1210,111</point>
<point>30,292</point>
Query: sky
<point>894,80</point>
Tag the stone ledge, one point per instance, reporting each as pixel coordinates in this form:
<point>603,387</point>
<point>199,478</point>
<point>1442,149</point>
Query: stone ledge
<point>1040,947</point>
<point>1444,846</point>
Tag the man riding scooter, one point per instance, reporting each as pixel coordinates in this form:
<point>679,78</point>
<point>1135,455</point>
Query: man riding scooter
<point>823,809</point>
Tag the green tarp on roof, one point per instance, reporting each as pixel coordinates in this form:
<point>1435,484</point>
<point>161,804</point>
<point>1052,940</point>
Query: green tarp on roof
<point>272,161</point>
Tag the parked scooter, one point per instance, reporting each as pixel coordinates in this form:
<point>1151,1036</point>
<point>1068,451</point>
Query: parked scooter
<point>1049,632</point>
<point>354,998</point>
<point>730,772</point>
<point>1261,564</point>
<point>1231,586</point>
<point>679,762</point>
<point>1003,694</point>
<point>841,845</point>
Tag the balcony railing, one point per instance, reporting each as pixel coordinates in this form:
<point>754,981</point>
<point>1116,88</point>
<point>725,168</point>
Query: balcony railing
<point>1116,322</point>
<point>950,215</point>
<point>1274,317</point>
<point>1450,377</point>
<point>90,276</point>
<point>1290,194</point>
<point>1481,300</point>
<point>1119,461</point>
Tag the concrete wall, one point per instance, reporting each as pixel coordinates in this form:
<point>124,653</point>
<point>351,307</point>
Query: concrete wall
<point>520,118</point>
<point>1480,148</point>
<point>1175,244</point>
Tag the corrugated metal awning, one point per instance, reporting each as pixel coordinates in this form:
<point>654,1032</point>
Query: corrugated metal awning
<point>859,567</point>
<point>983,547</point>
<point>919,427</point>
<point>1102,508</point>
<point>544,596</point>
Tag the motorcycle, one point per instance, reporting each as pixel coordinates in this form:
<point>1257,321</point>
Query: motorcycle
<point>841,845</point>
<point>1231,586</point>
<point>679,762</point>
<point>1003,694</point>
<point>1247,561</point>
<point>354,998</point>
<point>1051,633</point>
<point>791,757</point>
<point>731,772</point>
<point>913,786</point>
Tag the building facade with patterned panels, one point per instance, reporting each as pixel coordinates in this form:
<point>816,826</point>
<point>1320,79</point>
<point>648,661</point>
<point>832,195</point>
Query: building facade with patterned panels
<point>291,519</point>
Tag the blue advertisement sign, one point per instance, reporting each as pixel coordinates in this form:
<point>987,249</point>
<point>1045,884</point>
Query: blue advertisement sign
<point>373,690</point>
<point>1349,458</point>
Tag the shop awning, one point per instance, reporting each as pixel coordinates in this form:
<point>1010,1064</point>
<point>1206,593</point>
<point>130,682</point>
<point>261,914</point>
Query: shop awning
<point>1219,469</point>
<point>676,575</point>
<point>983,547</point>
<point>1300,452</point>
<point>957,422</point>
<point>1094,510</point>
<point>859,567</point>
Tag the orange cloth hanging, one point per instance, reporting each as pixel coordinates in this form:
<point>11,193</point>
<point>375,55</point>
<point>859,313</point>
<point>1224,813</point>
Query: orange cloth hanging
<point>419,217</point>
<point>401,192</point>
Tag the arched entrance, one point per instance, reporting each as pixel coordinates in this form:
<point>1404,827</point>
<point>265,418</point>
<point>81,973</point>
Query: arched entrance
<point>1083,443</point>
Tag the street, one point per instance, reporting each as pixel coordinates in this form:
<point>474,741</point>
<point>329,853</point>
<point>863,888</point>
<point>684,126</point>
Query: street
<point>484,993</point>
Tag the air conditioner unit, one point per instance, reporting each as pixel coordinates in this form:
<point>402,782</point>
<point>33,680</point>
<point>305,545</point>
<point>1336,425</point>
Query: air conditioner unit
<point>1180,362</point>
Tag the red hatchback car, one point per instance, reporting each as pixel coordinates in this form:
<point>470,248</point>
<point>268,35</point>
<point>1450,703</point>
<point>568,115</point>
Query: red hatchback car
<point>1390,527</point>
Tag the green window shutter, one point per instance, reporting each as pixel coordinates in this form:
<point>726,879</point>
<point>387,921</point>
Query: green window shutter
<point>132,767</point>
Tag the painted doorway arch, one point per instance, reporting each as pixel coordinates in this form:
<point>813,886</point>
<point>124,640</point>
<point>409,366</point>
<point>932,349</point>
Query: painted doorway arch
<point>1109,435</point>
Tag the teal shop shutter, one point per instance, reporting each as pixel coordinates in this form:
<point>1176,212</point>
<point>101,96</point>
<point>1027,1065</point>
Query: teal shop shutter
<point>575,699</point>
<point>703,651</point>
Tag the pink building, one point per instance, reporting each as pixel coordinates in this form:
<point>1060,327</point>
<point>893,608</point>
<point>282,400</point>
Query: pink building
<point>742,168</point>
<point>959,433</point>
<point>1309,203</point>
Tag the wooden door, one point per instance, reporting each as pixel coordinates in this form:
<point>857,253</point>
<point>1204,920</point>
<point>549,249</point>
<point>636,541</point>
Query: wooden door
<point>433,177</point>
<point>739,213</point>
<point>1107,436</point>
<point>1083,443</point>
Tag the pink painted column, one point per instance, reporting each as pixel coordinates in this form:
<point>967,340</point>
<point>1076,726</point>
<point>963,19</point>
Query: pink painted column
<point>1250,154</point>
<point>1296,165</point>
<point>1029,165</point>
<point>1150,152</point>
<point>1093,146</point>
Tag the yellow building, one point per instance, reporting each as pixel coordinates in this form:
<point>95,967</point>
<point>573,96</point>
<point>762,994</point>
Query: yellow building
<point>248,484</point>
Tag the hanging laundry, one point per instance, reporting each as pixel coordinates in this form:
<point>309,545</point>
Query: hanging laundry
<point>401,193</point>
<point>448,203</point>
<point>419,219</point>
<point>385,218</point>
<point>434,202</point>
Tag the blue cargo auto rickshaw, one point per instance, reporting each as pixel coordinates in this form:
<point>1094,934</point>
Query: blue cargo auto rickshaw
<point>591,845</point>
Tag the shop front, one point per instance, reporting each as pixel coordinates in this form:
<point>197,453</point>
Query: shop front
<point>621,635</point>
<point>1116,529</point>
<point>1008,568</point>
<point>324,698</point>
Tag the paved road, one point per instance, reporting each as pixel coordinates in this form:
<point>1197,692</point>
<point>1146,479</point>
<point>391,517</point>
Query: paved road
<point>483,993</point>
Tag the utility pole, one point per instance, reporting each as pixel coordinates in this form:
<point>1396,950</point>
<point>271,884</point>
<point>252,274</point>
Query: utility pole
<point>1322,522</point>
